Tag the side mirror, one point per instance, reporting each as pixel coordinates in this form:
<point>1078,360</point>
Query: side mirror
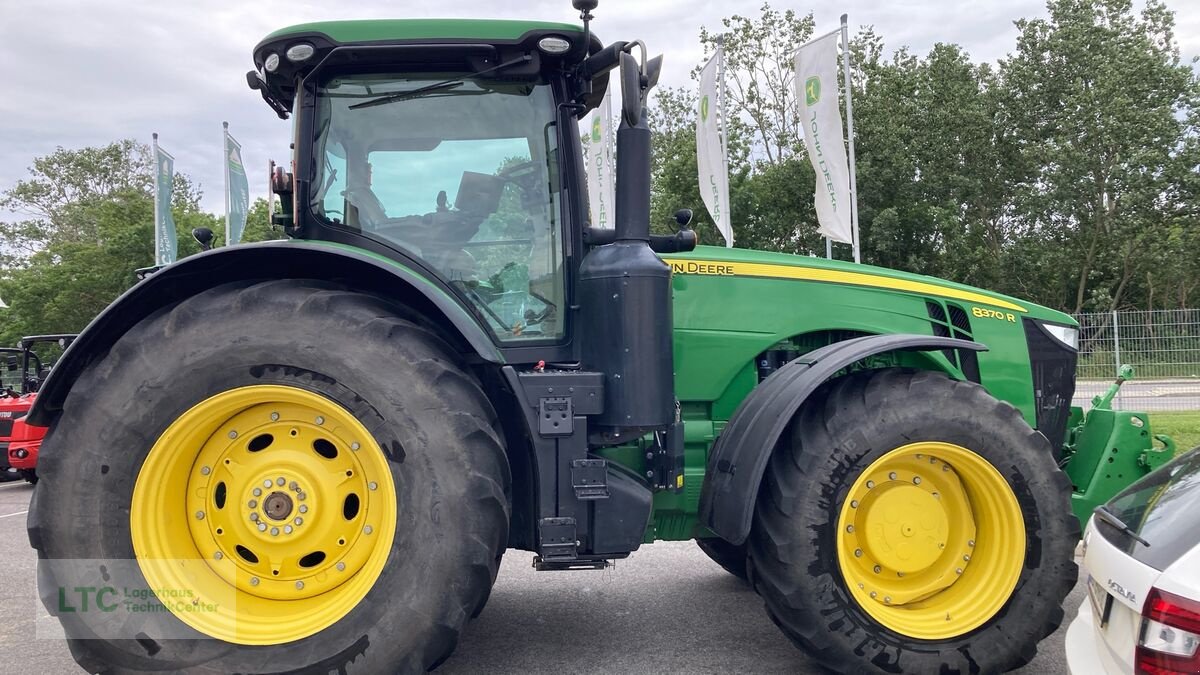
<point>631,90</point>
<point>204,237</point>
<point>584,5</point>
<point>684,218</point>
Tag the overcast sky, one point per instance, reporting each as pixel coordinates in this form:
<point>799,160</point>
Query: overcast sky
<point>87,72</point>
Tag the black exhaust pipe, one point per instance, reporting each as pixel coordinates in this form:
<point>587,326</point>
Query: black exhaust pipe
<point>625,290</point>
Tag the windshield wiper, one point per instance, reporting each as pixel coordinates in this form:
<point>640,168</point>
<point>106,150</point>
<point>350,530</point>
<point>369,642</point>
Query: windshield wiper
<point>1111,518</point>
<point>412,93</point>
<point>437,86</point>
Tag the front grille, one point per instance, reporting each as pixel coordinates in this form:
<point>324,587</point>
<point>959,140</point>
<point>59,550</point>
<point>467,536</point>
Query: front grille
<point>1053,365</point>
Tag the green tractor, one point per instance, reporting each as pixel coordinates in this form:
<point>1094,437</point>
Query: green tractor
<point>311,454</point>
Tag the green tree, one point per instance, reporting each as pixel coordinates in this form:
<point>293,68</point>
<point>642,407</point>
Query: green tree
<point>1101,109</point>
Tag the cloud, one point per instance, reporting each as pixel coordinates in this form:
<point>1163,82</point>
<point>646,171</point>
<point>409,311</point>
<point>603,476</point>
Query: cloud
<point>80,73</point>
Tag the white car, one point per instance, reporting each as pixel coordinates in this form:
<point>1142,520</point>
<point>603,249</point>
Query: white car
<point>1141,564</point>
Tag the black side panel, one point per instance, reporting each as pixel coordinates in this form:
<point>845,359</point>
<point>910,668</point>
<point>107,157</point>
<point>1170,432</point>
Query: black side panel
<point>1053,365</point>
<point>268,260</point>
<point>739,457</point>
<point>619,523</point>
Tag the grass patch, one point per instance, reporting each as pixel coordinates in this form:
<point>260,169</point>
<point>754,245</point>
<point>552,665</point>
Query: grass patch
<point>1184,427</point>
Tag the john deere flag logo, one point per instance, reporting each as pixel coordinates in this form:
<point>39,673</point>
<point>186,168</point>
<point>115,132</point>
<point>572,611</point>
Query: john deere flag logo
<point>812,90</point>
<point>704,109</point>
<point>596,129</point>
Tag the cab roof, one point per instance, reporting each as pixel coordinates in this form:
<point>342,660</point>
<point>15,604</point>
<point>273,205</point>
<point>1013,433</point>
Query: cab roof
<point>396,30</point>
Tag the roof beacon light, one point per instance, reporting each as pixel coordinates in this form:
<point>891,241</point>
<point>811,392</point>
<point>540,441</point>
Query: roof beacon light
<point>554,45</point>
<point>271,63</point>
<point>300,52</point>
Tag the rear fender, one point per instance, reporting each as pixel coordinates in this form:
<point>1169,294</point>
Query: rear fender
<point>362,270</point>
<point>739,457</point>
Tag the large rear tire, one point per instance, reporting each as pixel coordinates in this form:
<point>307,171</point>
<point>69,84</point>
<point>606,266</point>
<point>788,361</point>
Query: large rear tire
<point>381,529</point>
<point>913,524</point>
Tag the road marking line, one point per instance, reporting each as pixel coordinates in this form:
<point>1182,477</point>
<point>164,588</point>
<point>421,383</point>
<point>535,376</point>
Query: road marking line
<point>14,484</point>
<point>18,513</point>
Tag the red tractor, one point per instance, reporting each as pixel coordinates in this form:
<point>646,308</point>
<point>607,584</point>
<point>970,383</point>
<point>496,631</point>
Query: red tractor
<point>24,368</point>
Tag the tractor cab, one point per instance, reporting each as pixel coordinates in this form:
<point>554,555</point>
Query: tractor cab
<point>448,142</point>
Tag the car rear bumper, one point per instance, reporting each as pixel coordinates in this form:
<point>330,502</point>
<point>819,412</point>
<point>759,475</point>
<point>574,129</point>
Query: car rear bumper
<point>1083,650</point>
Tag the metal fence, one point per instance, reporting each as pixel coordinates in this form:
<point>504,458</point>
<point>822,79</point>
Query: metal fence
<point>1163,346</point>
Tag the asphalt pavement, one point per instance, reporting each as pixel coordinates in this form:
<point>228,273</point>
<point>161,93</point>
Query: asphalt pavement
<point>666,609</point>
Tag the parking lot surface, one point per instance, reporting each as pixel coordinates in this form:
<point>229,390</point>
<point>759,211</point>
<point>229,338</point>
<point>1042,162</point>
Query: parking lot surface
<point>666,609</point>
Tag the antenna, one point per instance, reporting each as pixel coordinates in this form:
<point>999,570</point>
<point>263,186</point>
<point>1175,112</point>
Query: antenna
<point>585,8</point>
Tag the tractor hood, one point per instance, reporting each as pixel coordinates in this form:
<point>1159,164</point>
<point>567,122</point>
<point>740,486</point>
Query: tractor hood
<point>736,262</point>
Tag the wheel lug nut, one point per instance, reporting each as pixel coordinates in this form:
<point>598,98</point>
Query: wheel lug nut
<point>320,420</point>
<point>254,516</point>
<point>257,492</point>
<point>372,485</point>
<point>301,496</point>
<point>870,484</point>
<point>299,585</point>
<point>304,508</point>
<point>858,553</point>
<point>900,574</point>
<point>262,527</point>
<point>218,555</point>
<point>854,503</point>
<point>355,445</point>
<point>367,529</point>
<point>274,531</point>
<point>267,483</point>
<point>253,581</point>
<point>892,475</point>
<point>945,467</point>
<point>916,480</point>
<point>287,529</point>
<point>966,558</point>
<point>233,434</point>
<point>877,569</point>
<point>204,471</point>
<point>280,481</point>
<point>199,515</point>
<point>341,567</point>
<point>873,594</point>
<point>253,503</point>
<point>887,599</point>
<point>849,528</point>
<point>971,543</point>
<point>274,417</point>
<point>958,570</point>
<point>299,520</point>
<point>293,486</point>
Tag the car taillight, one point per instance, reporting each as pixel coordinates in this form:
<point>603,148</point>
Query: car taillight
<point>1170,635</point>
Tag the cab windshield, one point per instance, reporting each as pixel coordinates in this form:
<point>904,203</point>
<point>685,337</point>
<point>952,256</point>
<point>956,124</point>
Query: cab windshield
<point>460,173</point>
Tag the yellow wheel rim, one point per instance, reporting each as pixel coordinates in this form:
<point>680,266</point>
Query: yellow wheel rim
<point>931,540</point>
<point>263,515</point>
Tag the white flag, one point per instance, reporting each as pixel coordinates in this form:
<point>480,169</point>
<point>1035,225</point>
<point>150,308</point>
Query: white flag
<point>711,161</point>
<point>817,91</point>
<point>602,189</point>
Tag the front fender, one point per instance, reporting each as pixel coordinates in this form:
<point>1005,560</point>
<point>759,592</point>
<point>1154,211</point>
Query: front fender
<point>359,269</point>
<point>739,457</point>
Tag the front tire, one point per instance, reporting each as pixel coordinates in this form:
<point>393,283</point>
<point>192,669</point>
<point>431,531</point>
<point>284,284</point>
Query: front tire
<point>30,476</point>
<point>325,392</point>
<point>913,524</point>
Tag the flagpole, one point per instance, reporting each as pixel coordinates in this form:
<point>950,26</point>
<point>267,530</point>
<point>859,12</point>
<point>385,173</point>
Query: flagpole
<point>850,137</point>
<point>225,161</point>
<point>154,160</point>
<point>724,129</point>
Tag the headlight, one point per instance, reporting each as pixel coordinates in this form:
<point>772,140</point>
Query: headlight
<point>271,63</point>
<point>1067,335</point>
<point>300,52</point>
